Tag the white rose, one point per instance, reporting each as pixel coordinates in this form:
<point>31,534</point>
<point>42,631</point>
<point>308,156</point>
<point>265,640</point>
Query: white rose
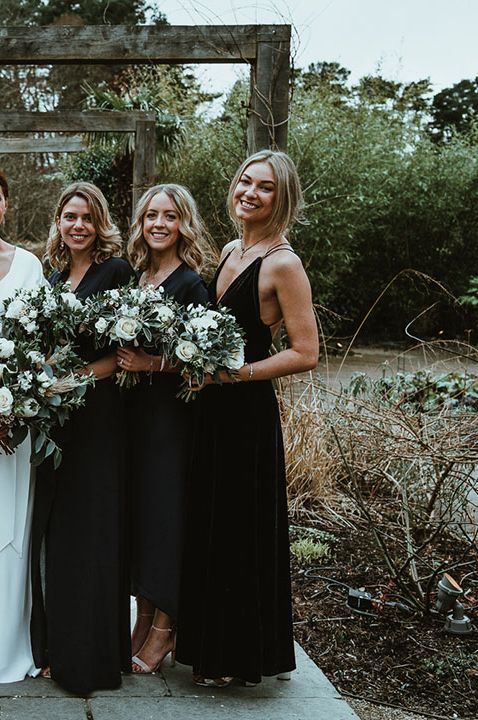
<point>16,309</point>
<point>101,325</point>
<point>164,313</point>
<point>7,348</point>
<point>29,408</point>
<point>127,328</point>
<point>203,323</point>
<point>71,300</point>
<point>114,294</point>
<point>186,350</point>
<point>6,401</point>
<point>236,360</point>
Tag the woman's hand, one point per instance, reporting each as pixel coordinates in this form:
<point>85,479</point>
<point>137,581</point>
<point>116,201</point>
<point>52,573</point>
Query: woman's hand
<point>193,383</point>
<point>136,360</point>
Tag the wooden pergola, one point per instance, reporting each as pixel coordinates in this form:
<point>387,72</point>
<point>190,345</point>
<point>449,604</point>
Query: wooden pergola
<point>265,48</point>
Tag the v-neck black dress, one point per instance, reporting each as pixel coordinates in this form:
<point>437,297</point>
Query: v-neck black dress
<point>160,432</point>
<point>80,510</point>
<point>235,615</point>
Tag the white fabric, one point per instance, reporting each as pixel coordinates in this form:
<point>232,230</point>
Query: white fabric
<point>16,504</point>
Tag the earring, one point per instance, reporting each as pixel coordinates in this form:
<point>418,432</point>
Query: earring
<point>62,245</point>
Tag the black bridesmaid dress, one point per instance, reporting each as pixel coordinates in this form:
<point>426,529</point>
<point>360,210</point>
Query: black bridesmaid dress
<point>160,429</point>
<point>81,628</point>
<point>235,614</point>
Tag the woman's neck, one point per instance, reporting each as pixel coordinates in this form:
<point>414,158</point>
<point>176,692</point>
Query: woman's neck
<point>160,261</point>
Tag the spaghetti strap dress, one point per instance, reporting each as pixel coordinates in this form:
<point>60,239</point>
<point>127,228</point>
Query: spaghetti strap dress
<point>235,615</point>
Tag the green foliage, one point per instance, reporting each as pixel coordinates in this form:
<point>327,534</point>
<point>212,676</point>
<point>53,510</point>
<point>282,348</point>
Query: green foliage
<point>309,545</point>
<point>455,109</point>
<point>421,391</point>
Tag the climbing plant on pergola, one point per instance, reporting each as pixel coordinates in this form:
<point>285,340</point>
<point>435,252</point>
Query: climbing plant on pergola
<point>265,48</point>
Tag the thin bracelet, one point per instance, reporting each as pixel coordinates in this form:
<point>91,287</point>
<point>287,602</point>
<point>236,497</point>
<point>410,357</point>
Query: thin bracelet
<point>251,372</point>
<point>150,372</point>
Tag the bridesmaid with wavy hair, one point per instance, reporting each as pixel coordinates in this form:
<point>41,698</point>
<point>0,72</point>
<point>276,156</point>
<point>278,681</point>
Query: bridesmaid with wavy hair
<point>235,617</point>
<point>82,638</point>
<point>168,247</point>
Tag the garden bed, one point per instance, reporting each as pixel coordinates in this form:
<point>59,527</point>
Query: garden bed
<point>392,656</point>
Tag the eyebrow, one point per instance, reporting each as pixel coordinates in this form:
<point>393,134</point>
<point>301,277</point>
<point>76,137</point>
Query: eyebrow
<point>271,182</point>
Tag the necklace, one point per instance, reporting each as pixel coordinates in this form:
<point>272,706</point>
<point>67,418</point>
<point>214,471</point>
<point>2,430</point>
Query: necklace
<point>243,249</point>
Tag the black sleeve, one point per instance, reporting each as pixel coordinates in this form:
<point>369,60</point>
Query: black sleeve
<point>123,272</point>
<point>195,292</point>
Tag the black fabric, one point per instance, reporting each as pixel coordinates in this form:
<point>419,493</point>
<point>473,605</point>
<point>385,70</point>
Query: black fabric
<point>82,629</point>
<point>160,428</point>
<point>235,615</point>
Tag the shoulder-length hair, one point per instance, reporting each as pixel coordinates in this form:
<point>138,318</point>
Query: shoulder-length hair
<point>288,200</point>
<point>108,241</point>
<point>4,184</point>
<point>194,246</point>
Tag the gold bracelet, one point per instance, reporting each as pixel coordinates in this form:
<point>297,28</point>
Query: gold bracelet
<point>251,372</point>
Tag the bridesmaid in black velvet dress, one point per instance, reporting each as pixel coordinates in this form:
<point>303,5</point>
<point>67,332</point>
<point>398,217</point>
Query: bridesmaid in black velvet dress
<point>81,637</point>
<point>235,616</point>
<point>168,247</point>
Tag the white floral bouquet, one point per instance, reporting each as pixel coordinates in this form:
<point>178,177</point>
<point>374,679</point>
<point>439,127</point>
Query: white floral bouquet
<point>49,315</point>
<point>37,392</point>
<point>208,340</point>
<point>130,315</point>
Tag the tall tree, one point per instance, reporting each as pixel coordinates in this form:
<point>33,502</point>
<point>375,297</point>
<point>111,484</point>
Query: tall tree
<point>455,109</point>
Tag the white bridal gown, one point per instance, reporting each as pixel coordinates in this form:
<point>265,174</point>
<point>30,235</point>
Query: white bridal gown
<point>16,505</point>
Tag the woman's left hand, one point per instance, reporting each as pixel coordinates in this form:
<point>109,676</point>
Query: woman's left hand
<point>133,359</point>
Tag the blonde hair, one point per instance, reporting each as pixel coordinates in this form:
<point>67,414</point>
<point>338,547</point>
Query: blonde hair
<point>288,200</point>
<point>193,246</point>
<point>108,241</point>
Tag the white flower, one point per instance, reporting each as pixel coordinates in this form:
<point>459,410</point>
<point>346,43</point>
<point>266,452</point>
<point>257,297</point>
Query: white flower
<point>32,314</point>
<point>44,380</point>
<point>6,401</point>
<point>29,408</point>
<point>71,300</point>
<point>35,356</point>
<point>186,350</point>
<point>16,309</point>
<point>236,360</point>
<point>7,348</point>
<point>164,313</point>
<point>100,325</point>
<point>114,294</point>
<point>127,328</point>
<point>25,380</point>
<point>31,327</point>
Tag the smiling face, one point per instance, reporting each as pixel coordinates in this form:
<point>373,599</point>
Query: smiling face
<point>161,223</point>
<point>254,194</point>
<point>76,227</point>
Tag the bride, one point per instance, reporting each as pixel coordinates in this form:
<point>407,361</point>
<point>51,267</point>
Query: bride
<point>18,268</point>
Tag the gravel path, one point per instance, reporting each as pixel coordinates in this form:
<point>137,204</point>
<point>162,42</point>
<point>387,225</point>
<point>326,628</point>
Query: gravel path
<point>368,711</point>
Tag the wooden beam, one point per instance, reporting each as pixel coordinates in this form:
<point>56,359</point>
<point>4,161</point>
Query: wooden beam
<point>108,44</point>
<point>269,103</point>
<point>71,121</point>
<point>144,164</point>
<point>31,144</point>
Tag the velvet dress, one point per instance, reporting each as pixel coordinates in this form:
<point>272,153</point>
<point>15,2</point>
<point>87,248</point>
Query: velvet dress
<point>160,430</point>
<point>235,609</point>
<point>81,627</point>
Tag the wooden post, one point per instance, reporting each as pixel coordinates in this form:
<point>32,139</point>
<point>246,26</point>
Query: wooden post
<point>144,158</point>
<point>269,103</point>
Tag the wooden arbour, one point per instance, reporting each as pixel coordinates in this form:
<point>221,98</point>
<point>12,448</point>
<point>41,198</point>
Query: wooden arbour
<point>266,48</point>
<point>142,124</point>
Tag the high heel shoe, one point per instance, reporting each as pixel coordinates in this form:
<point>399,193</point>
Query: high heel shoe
<point>145,669</point>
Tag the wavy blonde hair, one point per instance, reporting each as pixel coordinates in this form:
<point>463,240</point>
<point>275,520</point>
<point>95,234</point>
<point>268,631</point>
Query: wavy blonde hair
<point>194,245</point>
<point>288,200</point>
<point>108,241</point>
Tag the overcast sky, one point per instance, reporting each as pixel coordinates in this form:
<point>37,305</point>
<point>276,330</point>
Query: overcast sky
<point>406,39</point>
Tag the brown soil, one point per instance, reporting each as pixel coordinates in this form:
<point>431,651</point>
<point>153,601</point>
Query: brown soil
<point>393,656</point>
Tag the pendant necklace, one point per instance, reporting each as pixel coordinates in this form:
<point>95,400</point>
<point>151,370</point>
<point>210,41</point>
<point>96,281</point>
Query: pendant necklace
<point>243,249</point>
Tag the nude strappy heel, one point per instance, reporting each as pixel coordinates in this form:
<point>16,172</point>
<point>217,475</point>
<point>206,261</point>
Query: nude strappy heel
<point>146,669</point>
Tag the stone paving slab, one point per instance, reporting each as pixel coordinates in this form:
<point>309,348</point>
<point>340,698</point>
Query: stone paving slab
<point>30,708</point>
<point>220,708</point>
<point>171,695</point>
